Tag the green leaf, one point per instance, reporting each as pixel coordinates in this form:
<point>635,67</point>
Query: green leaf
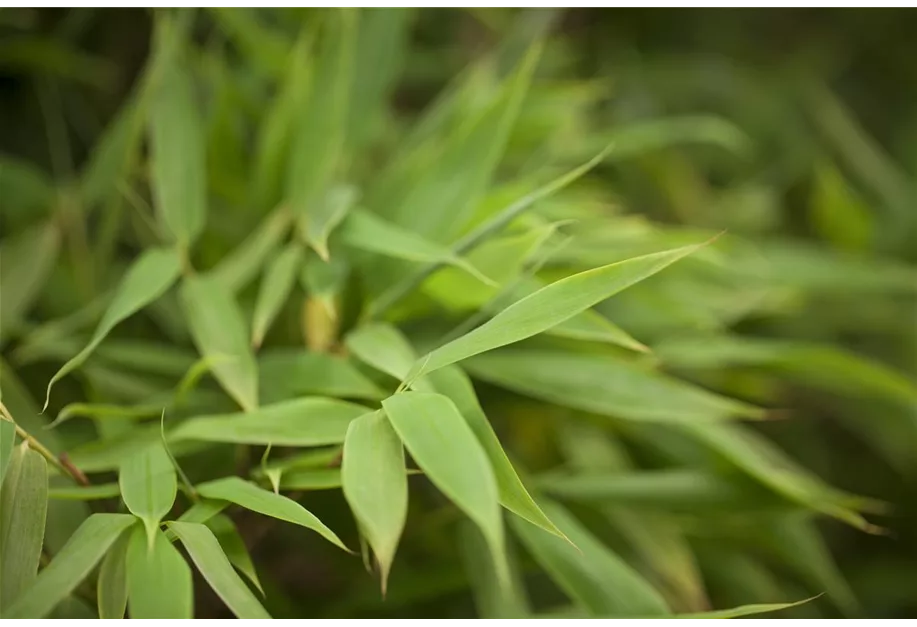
<point>309,421</point>
<point>548,307</point>
<point>7,442</point>
<point>70,566</point>
<point>445,448</point>
<point>276,286</point>
<point>220,335</point>
<point>146,280</point>
<point>178,155</point>
<point>490,598</point>
<point>208,556</point>
<point>605,385</point>
<point>290,373</point>
<point>148,486</point>
<point>742,610</point>
<point>27,260</point>
<point>325,215</point>
<point>26,188</point>
<point>250,496</point>
<point>593,576</point>
<point>375,485</point>
<point>454,383</point>
<point>383,347</point>
<point>24,500</point>
<point>234,547</point>
<point>85,493</point>
<point>158,578</point>
<point>311,479</point>
<point>317,152</point>
<point>112,584</point>
<point>368,232</point>
<point>202,511</point>
<point>240,266</point>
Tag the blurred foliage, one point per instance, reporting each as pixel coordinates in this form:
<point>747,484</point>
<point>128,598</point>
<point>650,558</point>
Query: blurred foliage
<point>792,131</point>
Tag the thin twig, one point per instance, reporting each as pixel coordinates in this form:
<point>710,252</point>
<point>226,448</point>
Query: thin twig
<point>63,465</point>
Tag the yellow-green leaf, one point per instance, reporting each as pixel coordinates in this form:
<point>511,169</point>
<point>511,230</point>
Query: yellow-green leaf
<point>70,566</point>
<point>112,584</point>
<point>375,485</point>
<point>250,496</point>
<point>146,280</point>
<point>242,265</point>
<point>148,486</point>
<point>220,335</point>
<point>27,259</point>
<point>309,421</point>
<point>24,501</point>
<point>325,215</point>
<point>205,552</point>
<point>159,581</point>
<point>234,547</point>
<point>446,449</point>
<point>292,373</point>
<point>276,285</point>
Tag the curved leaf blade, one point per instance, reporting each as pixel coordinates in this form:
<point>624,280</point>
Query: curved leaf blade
<point>148,486</point>
<point>158,578</point>
<point>278,281</point>
<point>112,585</point>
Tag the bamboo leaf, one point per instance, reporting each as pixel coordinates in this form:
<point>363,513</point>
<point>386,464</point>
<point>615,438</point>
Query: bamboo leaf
<point>112,584</point>
<point>85,493</point>
<point>158,578</point>
<point>205,552</point>
<point>309,421</point>
<point>24,500</point>
<point>146,280</point>
<point>326,215</point>
<point>743,610</point>
<point>148,486</point>
<point>490,598</point>
<point>220,335</point>
<point>177,146</point>
<point>276,286</point>
<point>234,547</point>
<point>311,479</point>
<point>548,307</point>
<point>375,485</point>
<point>286,374</point>
<point>27,260</point>
<point>240,266</point>
<point>454,383</point>
<point>445,448</point>
<point>250,496</point>
<point>604,385</point>
<point>593,576</point>
<point>382,347</point>
<point>70,566</point>
<point>7,442</point>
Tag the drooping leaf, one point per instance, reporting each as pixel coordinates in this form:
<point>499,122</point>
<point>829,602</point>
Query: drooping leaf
<point>276,285</point>
<point>593,576</point>
<point>24,500</point>
<point>375,485</point>
<point>250,496</point>
<point>490,598</point>
<point>234,547</point>
<point>308,421</point>
<point>454,383</point>
<point>145,281</point>
<point>242,265</point>
<point>605,385</point>
<point>112,583</point>
<point>148,486</point>
<point>382,347</point>
<point>208,556</point>
<point>743,610</point>
<point>548,307</point>
<point>287,374</point>
<point>179,177</point>
<point>27,259</point>
<point>325,215</point>
<point>159,581</point>
<point>220,334</point>
<point>446,449</point>
<point>70,566</point>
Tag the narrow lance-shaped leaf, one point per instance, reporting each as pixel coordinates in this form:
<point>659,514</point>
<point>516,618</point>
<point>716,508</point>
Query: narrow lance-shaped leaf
<point>382,347</point>
<point>234,547</point>
<point>309,421</point>
<point>85,493</point>
<point>287,374</point>
<point>70,566</point>
<point>148,486</point>
<point>205,552</point>
<point>366,231</point>
<point>27,261</point>
<point>490,598</point>
<point>445,448</point>
<point>112,583</point>
<point>7,442</point>
<point>276,285</point>
<point>324,215</point>
<point>242,265</point>
<point>548,307</point>
<point>219,333</point>
<point>594,576</point>
<point>24,501</point>
<point>146,280</point>
<point>375,485</point>
<point>158,578</point>
<point>454,383</point>
<point>250,496</point>
<point>179,177</point>
<point>743,610</point>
